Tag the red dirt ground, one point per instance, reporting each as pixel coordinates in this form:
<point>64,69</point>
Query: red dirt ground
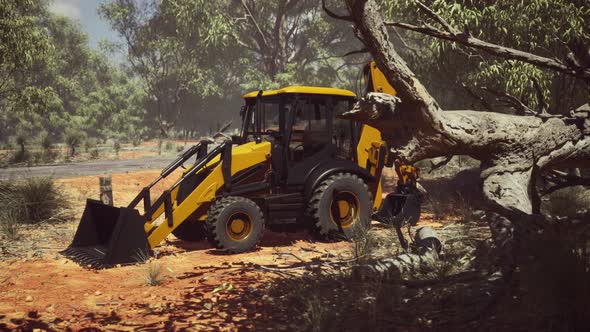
<point>202,289</point>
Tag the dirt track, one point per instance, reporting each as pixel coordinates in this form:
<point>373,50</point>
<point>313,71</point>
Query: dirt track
<point>85,168</point>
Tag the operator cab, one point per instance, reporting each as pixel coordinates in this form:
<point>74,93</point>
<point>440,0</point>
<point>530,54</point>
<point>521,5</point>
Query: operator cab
<point>303,121</point>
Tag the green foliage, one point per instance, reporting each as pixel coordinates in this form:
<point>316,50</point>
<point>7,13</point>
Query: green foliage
<point>169,146</point>
<point>51,79</point>
<point>206,57</point>
<point>73,138</point>
<point>89,144</point>
<point>544,27</point>
<point>136,141</point>
<point>186,37</point>
<point>22,154</point>
<point>21,140</point>
<point>117,147</point>
<point>46,141</point>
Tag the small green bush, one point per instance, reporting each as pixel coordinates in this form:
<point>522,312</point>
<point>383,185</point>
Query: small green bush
<point>46,141</point>
<point>90,144</point>
<point>94,154</point>
<point>20,156</point>
<point>21,140</point>
<point>136,141</point>
<point>73,138</point>
<point>8,145</point>
<point>117,147</point>
<point>169,146</point>
<point>32,201</point>
<point>160,143</point>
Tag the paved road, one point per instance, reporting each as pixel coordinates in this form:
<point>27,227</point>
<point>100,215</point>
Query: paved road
<point>85,168</point>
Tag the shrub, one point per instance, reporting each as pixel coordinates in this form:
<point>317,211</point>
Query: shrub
<point>32,201</point>
<point>456,196</point>
<point>8,145</point>
<point>363,245</point>
<point>73,138</point>
<point>48,154</point>
<point>117,147</point>
<point>21,140</point>
<point>94,154</point>
<point>20,156</point>
<point>136,141</point>
<point>46,141</point>
<point>153,273</point>
<point>169,146</point>
<point>90,144</point>
<point>9,223</point>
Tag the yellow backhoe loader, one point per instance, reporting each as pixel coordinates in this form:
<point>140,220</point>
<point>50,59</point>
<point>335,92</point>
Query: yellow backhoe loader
<point>296,161</point>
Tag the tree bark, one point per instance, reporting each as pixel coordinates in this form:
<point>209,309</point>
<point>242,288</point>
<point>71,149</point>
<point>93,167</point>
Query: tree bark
<point>512,149</point>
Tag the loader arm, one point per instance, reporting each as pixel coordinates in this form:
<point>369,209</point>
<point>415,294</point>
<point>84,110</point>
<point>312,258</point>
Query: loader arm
<point>402,206</point>
<point>109,235</point>
<point>242,157</point>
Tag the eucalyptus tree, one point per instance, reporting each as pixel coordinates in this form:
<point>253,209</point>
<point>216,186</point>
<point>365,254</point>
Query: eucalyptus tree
<point>287,42</point>
<point>171,47</point>
<point>23,42</point>
<point>549,28</point>
<point>514,150</point>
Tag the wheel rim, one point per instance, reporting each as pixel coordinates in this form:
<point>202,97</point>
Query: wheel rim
<point>344,209</point>
<point>239,226</point>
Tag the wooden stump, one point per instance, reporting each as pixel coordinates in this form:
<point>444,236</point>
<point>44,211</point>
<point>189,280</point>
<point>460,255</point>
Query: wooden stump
<point>106,190</point>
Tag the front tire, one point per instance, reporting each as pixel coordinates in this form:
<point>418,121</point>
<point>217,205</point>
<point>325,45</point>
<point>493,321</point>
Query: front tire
<point>235,224</point>
<point>340,207</point>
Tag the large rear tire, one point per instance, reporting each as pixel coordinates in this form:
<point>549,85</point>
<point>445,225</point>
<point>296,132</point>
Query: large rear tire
<point>235,224</point>
<point>340,207</point>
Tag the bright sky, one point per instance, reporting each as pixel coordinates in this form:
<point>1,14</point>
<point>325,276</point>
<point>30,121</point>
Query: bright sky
<point>85,12</point>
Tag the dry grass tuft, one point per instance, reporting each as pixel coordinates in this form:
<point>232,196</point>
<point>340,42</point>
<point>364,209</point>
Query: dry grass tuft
<point>9,224</point>
<point>31,201</point>
<point>153,271</point>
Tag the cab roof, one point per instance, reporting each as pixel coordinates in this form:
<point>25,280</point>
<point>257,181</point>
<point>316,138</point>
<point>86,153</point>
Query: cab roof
<point>314,90</point>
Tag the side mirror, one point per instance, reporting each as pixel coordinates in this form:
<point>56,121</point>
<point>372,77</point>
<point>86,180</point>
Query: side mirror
<point>242,111</point>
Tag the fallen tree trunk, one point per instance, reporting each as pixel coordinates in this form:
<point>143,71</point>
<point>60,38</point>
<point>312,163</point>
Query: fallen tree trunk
<point>512,149</point>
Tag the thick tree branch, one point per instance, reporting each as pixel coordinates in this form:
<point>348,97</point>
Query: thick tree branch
<point>434,166</point>
<point>500,51</point>
<point>512,149</point>
<point>334,15</point>
<point>562,180</point>
<point>477,97</point>
<point>510,100</point>
<point>448,28</point>
<point>262,36</point>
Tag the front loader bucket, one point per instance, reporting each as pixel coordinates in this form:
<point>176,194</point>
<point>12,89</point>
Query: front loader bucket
<point>108,236</point>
